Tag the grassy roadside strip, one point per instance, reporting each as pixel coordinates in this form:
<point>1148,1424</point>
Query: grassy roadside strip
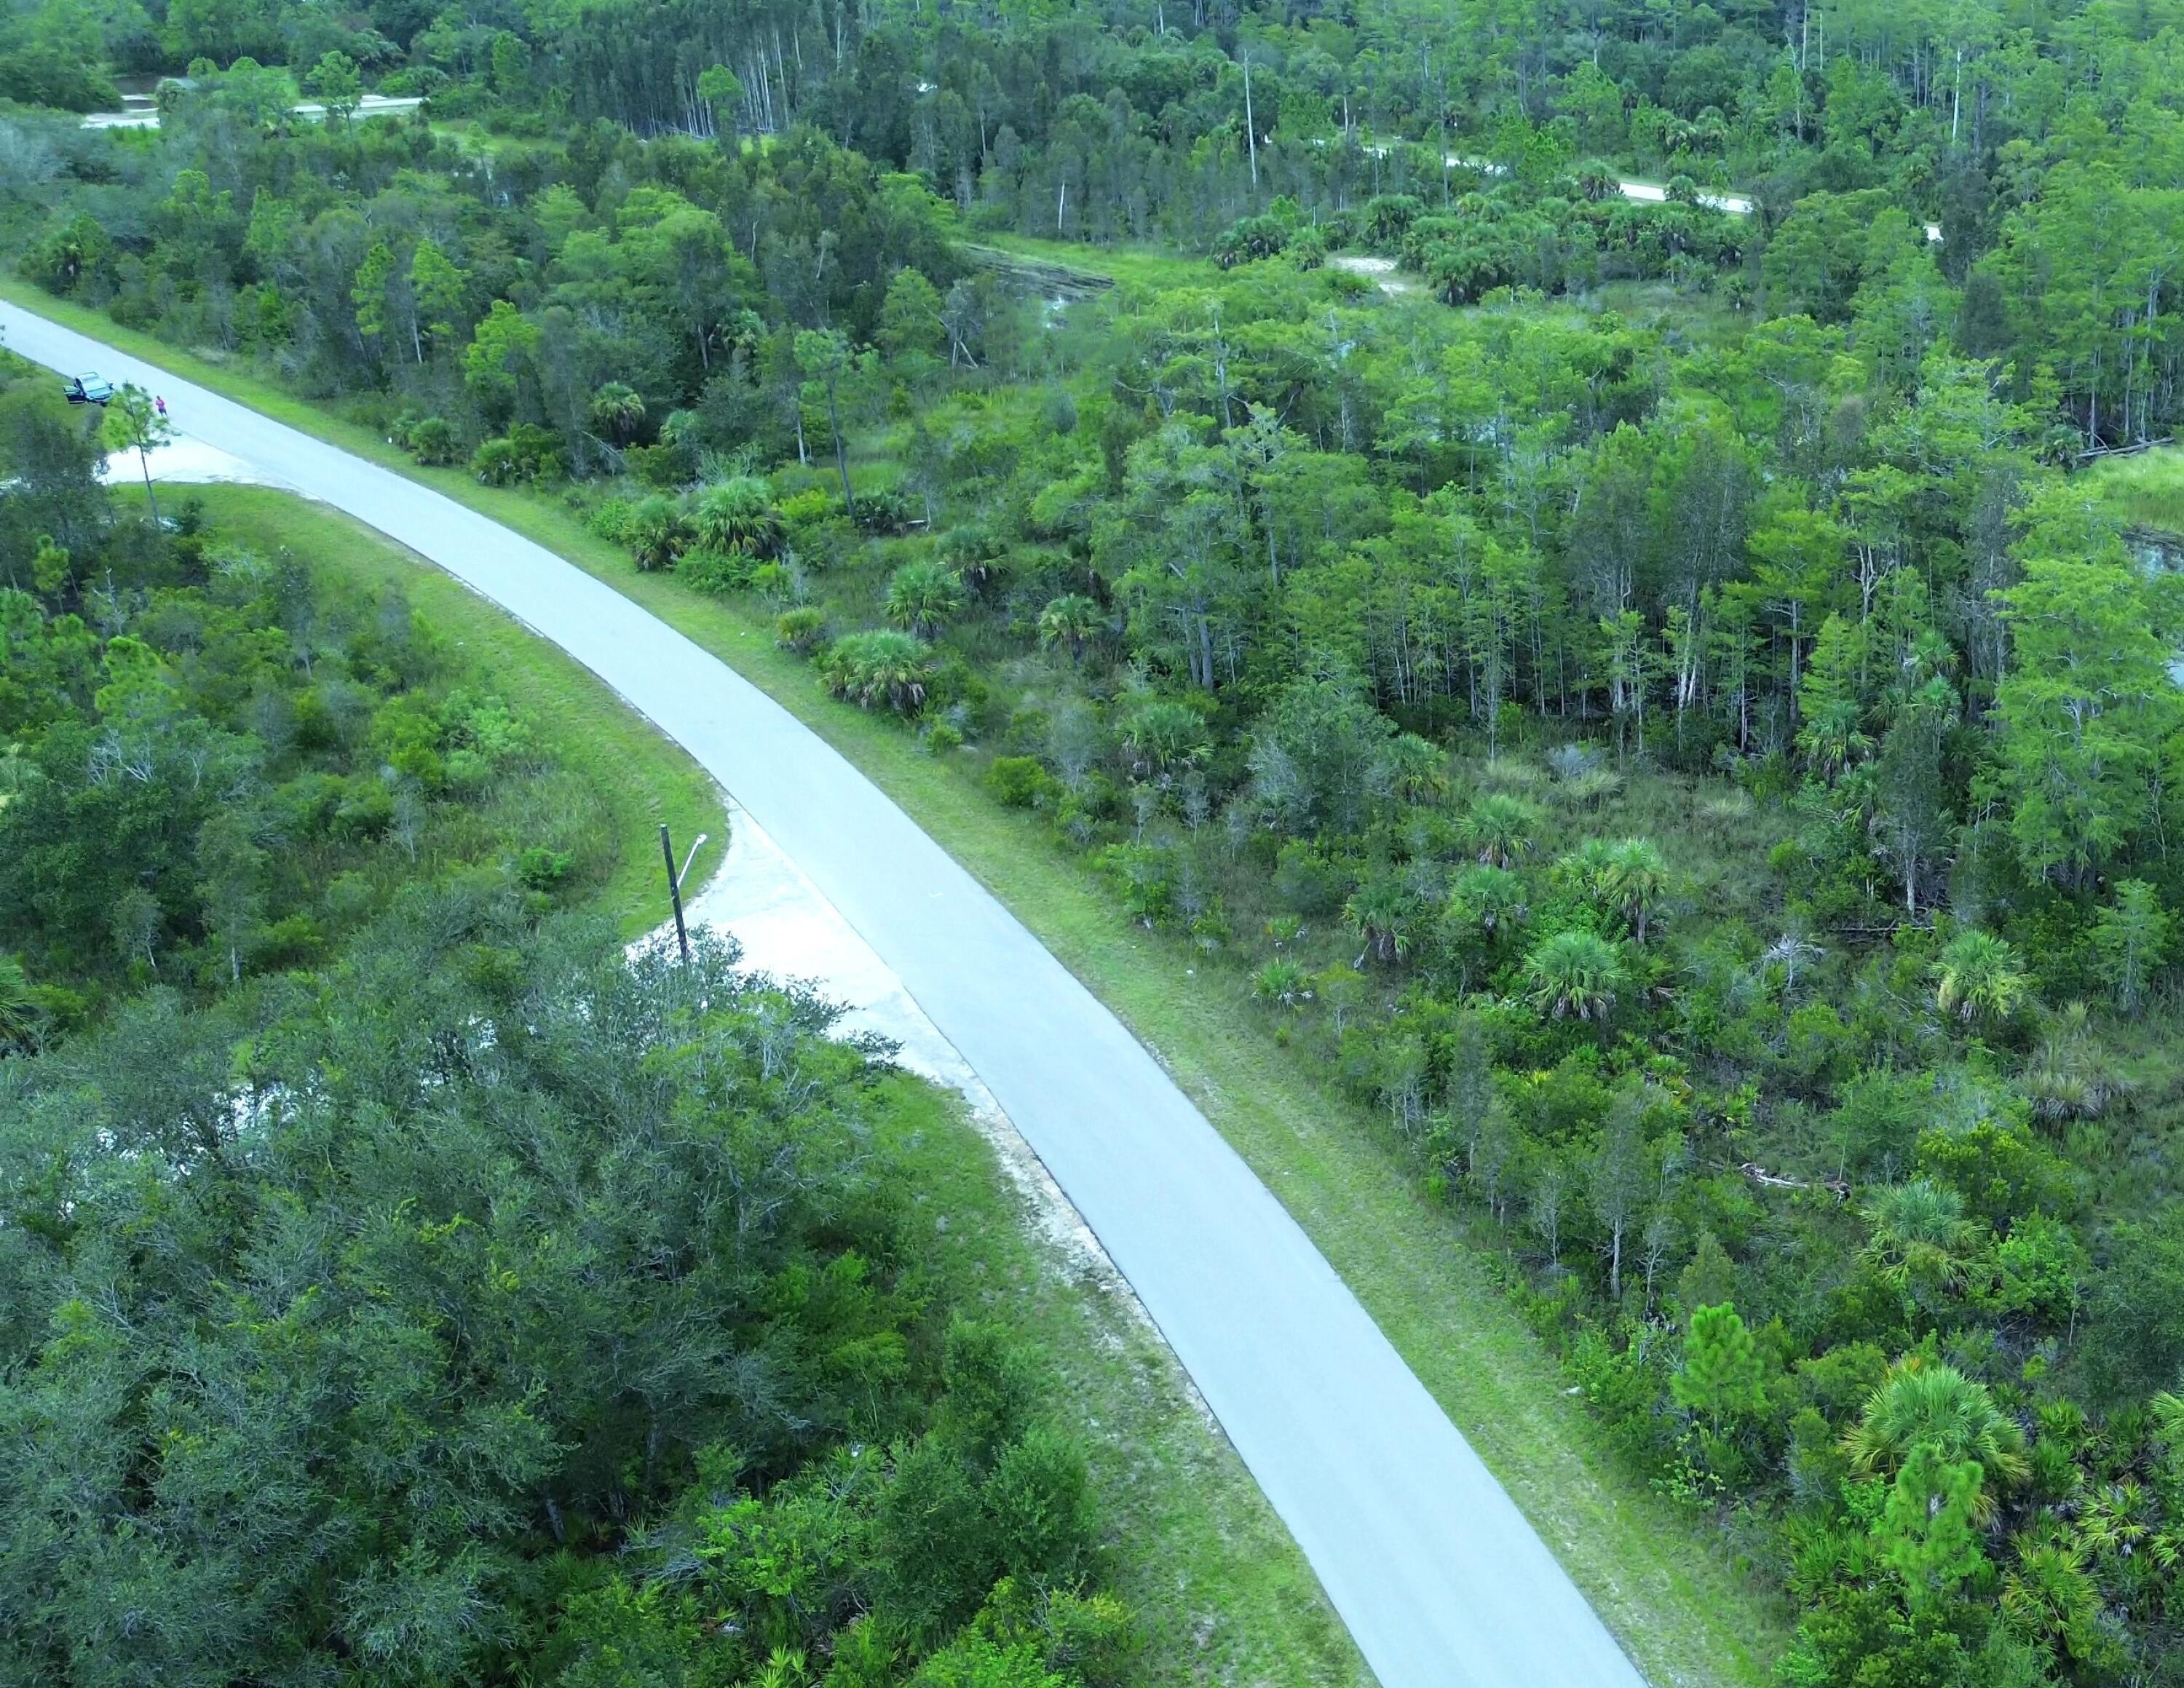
<point>1653,1571</point>
<point>1224,1594</point>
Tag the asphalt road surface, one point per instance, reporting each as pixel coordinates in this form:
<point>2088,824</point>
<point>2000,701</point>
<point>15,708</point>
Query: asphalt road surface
<point>1438,1575</point>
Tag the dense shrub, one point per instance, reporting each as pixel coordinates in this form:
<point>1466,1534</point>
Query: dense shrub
<point>882,666</point>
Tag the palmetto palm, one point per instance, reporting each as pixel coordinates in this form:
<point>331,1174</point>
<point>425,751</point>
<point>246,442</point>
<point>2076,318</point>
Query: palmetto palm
<point>1590,871</point>
<point>1164,735</point>
<point>2049,1595</point>
<point>1574,973</point>
<point>2117,1521</point>
<point>1979,976</point>
<point>1833,739</point>
<point>1596,181</point>
<point>1283,982</point>
<point>737,514</point>
<point>1920,1233</point>
<point>617,411</point>
<point>923,595</point>
<point>1793,952</point>
<point>1500,829</point>
<point>1412,769</point>
<point>1921,1402</point>
<point>881,667</point>
<point>1637,881</point>
<point>1071,619</point>
<point>1493,899</point>
<point>1383,916</point>
<point>971,552</point>
<point>657,533</point>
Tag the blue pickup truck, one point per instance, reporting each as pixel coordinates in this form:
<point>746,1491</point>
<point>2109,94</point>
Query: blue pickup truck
<point>87,389</point>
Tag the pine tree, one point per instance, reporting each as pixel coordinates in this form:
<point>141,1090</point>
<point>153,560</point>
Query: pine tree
<point>1723,1376</point>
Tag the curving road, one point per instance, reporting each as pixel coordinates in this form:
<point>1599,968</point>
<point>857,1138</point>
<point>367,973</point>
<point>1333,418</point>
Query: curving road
<point>1438,1575</point>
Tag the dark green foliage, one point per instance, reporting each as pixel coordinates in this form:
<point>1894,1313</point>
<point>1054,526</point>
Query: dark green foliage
<point>495,1251</point>
<point>241,760</point>
<point>1019,782</point>
<point>1666,739</point>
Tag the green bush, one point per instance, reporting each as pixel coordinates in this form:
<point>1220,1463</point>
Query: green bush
<point>880,667</point>
<point>429,440</point>
<point>540,869</point>
<point>737,514</point>
<point>1019,782</point>
<point>610,519</point>
<point>715,573</point>
<point>656,532</point>
<point>525,453</point>
<point>799,629</point>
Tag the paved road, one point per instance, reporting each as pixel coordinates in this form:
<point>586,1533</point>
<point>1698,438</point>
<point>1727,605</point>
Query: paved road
<point>1438,1575</point>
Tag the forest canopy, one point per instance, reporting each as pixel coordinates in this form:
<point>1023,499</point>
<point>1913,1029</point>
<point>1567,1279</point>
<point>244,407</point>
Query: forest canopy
<point>1566,560</point>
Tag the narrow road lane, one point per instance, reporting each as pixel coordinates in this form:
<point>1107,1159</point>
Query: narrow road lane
<point>1440,1577</point>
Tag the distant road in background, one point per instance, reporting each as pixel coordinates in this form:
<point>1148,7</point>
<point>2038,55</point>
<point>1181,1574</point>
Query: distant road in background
<point>137,111</point>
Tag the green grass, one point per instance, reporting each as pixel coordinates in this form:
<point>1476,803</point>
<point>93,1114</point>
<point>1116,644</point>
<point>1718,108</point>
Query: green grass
<point>1655,1571</point>
<point>1148,267</point>
<point>639,777</point>
<point>2145,491</point>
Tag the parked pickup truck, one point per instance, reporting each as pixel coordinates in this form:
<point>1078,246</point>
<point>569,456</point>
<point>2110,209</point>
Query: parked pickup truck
<point>87,389</point>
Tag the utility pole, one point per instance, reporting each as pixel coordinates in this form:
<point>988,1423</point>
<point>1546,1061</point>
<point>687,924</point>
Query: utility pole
<point>1250,133</point>
<point>675,887</point>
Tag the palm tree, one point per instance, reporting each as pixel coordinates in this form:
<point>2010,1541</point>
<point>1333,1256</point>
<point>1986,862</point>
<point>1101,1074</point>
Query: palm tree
<point>1980,977</point>
<point>878,666</point>
<point>922,594</point>
<point>1492,898</point>
<point>1164,735</point>
<point>1922,1402</point>
<point>1412,769</point>
<point>1283,982</point>
<point>1832,737</point>
<point>617,411</point>
<point>2072,1076</point>
<point>1071,619</point>
<point>1500,829</point>
<point>737,514</point>
<point>1382,914</point>
<point>1590,871</point>
<point>1596,181</point>
<point>1638,879</point>
<point>657,533</point>
<point>1793,952</point>
<point>1574,973</point>
<point>970,550</point>
<point>1919,1233</point>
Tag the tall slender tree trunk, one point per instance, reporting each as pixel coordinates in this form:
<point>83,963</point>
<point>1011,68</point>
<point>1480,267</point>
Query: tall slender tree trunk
<point>841,447</point>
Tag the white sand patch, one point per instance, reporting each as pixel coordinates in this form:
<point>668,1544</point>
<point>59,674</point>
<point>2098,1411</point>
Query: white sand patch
<point>1380,270</point>
<point>183,458</point>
